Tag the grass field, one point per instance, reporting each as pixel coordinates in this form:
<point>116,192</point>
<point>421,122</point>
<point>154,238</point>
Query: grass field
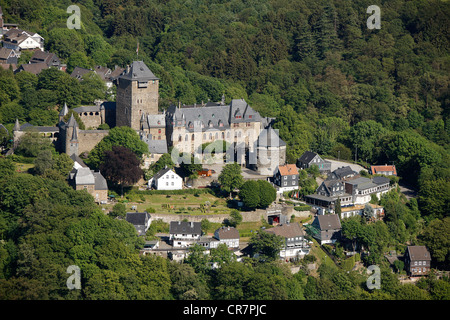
<point>178,204</point>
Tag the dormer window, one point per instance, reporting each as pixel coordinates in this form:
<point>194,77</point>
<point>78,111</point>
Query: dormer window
<point>220,123</point>
<point>191,125</point>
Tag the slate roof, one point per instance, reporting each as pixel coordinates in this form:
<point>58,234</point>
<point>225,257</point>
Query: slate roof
<point>86,176</point>
<point>34,68</point>
<point>138,71</point>
<point>227,233</point>
<point>362,183</point>
<point>380,180</point>
<point>213,115</point>
<point>156,121</point>
<point>79,72</point>
<point>307,156</point>
<point>185,227</point>
<point>137,218</point>
<point>157,146</point>
<point>5,53</point>
<point>343,172</point>
<point>290,230</point>
<point>162,172</point>
<point>419,253</point>
<point>46,57</point>
<point>329,221</point>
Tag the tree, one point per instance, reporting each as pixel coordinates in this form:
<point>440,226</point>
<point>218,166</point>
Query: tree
<point>236,218</point>
<point>43,161</point>
<point>249,194</point>
<point>119,210</point>
<point>118,136</point>
<point>121,166</point>
<point>267,245</point>
<point>435,238</point>
<point>230,178</point>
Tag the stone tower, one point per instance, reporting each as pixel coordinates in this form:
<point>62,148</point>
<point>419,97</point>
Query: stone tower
<point>137,95</point>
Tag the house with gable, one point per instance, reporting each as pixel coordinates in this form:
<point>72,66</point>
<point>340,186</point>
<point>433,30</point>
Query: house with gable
<point>417,260</point>
<point>326,228</point>
<point>140,220</point>
<point>295,245</point>
<point>385,170</point>
<point>310,158</point>
<point>286,178</point>
<point>166,179</point>
<point>83,178</point>
<point>184,233</point>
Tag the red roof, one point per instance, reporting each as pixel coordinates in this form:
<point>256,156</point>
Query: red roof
<point>385,168</point>
<point>288,169</point>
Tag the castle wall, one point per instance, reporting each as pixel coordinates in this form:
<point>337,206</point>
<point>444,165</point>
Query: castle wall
<point>91,119</point>
<point>88,139</point>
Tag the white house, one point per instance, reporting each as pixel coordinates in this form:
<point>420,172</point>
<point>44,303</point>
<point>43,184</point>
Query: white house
<point>183,233</point>
<point>166,179</point>
<point>228,236</point>
<point>18,40</point>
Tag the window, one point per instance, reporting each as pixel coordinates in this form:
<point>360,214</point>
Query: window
<point>285,177</point>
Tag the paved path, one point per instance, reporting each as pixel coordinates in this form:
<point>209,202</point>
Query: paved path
<point>337,164</point>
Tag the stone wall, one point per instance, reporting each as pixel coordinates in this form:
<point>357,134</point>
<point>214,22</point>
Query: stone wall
<point>251,216</point>
<point>88,139</point>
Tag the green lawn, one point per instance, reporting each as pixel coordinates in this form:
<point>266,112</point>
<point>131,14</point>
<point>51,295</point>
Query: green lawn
<point>178,204</point>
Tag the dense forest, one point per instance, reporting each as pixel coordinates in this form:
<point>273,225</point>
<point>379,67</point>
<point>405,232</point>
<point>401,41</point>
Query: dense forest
<point>333,85</point>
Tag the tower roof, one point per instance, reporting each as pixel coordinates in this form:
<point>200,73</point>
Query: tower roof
<point>64,110</point>
<point>16,125</point>
<point>72,121</point>
<point>138,71</point>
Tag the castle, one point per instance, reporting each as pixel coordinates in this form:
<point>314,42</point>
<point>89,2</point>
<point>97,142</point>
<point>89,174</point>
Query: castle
<point>186,128</point>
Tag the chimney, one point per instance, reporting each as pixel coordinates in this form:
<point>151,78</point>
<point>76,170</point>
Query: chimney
<point>192,224</point>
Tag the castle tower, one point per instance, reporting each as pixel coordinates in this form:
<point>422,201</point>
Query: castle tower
<point>71,146</point>
<point>137,94</point>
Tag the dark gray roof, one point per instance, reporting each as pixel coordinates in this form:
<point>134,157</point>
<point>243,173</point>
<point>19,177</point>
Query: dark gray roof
<point>157,146</point>
<point>343,172</point>
<point>79,72</point>
<point>87,109</point>
<point>329,221</point>
<point>380,180</point>
<point>80,161</point>
<point>361,183</point>
<point>161,172</point>
<point>100,181</point>
<point>138,71</point>
<point>137,218</point>
<point>212,116</point>
<point>307,156</point>
<point>185,227</point>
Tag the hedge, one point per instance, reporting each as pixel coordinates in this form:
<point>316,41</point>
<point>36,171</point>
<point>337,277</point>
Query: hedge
<point>302,208</point>
<point>173,192</point>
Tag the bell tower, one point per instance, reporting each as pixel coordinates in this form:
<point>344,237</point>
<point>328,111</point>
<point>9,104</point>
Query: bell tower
<point>137,95</point>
